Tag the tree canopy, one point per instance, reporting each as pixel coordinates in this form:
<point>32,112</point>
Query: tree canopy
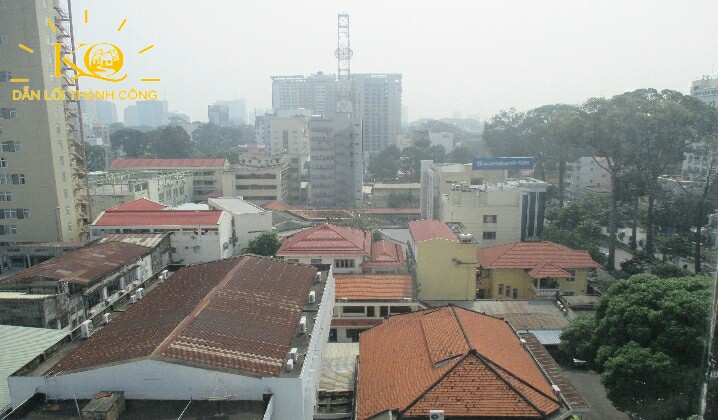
<point>647,340</point>
<point>266,243</point>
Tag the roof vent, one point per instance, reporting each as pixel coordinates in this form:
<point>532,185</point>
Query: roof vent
<point>312,296</point>
<point>303,325</point>
<point>436,414</point>
<point>523,343</point>
<point>290,365</point>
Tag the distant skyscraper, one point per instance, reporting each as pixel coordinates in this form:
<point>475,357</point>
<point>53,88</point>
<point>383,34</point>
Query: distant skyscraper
<point>320,93</point>
<point>218,115</point>
<point>131,118</point>
<point>102,112</point>
<point>152,113</point>
<point>237,111</point>
<point>404,115</point>
<point>288,92</point>
<point>706,89</point>
<point>42,168</point>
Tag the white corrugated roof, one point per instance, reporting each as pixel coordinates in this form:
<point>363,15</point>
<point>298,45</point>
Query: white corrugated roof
<point>18,346</point>
<point>547,337</point>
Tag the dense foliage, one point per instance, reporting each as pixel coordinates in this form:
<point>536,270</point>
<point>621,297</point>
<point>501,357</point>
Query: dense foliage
<point>647,340</point>
<point>266,243</point>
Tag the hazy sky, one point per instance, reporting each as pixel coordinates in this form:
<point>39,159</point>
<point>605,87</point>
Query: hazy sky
<point>474,56</point>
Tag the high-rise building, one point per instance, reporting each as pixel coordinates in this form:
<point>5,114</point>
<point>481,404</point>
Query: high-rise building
<point>131,118</point>
<point>376,99</point>
<point>218,115</point>
<point>337,161</point>
<point>152,113</point>
<point>706,89</point>
<point>696,164</point>
<point>42,168</point>
<point>102,112</point>
<point>237,111</point>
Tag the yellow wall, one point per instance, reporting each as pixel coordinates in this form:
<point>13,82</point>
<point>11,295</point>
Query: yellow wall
<point>519,279</point>
<point>439,277</point>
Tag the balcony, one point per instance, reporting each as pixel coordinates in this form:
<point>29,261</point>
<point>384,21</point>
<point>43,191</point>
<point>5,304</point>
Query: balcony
<point>545,291</point>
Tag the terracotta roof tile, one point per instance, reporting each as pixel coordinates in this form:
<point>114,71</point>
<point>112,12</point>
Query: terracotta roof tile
<point>167,163</point>
<point>139,204</point>
<point>385,254</point>
<point>406,365</point>
<point>237,314</point>
<point>373,286</point>
<point>527,255</point>
<point>424,230</point>
<point>84,265</point>
<point>327,239</point>
<point>546,269</point>
<point>191,218</point>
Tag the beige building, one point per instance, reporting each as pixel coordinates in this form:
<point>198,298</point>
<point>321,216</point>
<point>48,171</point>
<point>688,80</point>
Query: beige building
<point>496,214</point>
<point>42,168</point>
<point>384,195</point>
<point>207,174</point>
<point>445,265</point>
<point>110,189</point>
<point>533,270</point>
<point>258,178</point>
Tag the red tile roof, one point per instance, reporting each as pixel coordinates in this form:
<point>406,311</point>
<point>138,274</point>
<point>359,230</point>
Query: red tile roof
<point>139,204</point>
<point>238,314</point>
<point>463,362</point>
<point>84,265</point>
<point>167,163</point>
<point>424,230</point>
<point>546,269</point>
<point>191,218</point>
<point>385,254</point>
<point>279,206</point>
<point>327,239</point>
<point>373,286</point>
<point>529,255</point>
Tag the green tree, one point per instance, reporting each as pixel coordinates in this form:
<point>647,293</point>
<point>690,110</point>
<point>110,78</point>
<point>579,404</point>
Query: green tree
<point>397,200</point>
<point>460,154</point>
<point>667,271</point>
<point>266,243</point>
<point>133,143</point>
<point>170,142</point>
<point>384,166</point>
<point>647,340</point>
<point>410,162</point>
<point>95,157</point>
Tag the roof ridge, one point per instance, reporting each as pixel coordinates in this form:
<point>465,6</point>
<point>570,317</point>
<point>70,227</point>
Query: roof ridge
<point>508,372</point>
<point>434,384</point>
<point>461,326</point>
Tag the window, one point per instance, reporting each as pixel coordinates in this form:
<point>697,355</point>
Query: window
<point>59,144</point>
<point>501,289</point>
<point>516,293</point>
<point>5,196</point>
<point>316,261</point>
<point>353,310</point>
<point>8,230</point>
<point>67,210</point>
<point>573,276</point>
<point>64,177</point>
<point>489,235</point>
<point>3,163</point>
<point>508,291</point>
<point>64,192</point>
<point>5,76</point>
<point>69,226</point>
<point>3,39</point>
<point>293,260</point>
<point>344,263</point>
<point>12,178</point>
<point>8,113</point>
<point>2,130</point>
<point>10,146</point>
<point>490,218</point>
<point>62,160</point>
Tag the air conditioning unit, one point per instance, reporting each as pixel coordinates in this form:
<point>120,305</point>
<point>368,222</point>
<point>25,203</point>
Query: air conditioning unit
<point>312,296</point>
<point>407,300</point>
<point>318,278</point>
<point>106,318</point>
<point>290,365</point>
<point>140,293</point>
<point>164,274</point>
<point>436,414</point>
<point>293,354</point>
<point>86,328</point>
<point>523,343</point>
<point>556,390</point>
<point>133,299</point>
<point>303,325</point>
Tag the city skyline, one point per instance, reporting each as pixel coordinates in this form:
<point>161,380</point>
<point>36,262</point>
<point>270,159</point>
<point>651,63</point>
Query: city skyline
<point>468,57</point>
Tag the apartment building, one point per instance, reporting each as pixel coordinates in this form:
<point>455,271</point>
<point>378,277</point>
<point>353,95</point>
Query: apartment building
<point>587,175</point>
<point>42,168</point>
<point>258,178</point>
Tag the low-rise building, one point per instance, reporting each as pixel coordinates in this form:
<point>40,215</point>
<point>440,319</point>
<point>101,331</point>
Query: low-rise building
<point>496,214</point>
<point>246,328</point>
<point>365,300</point>
<point>258,178</point>
<point>62,292</point>
<point>451,362</point>
<point>197,235</point>
<point>110,189</point>
<point>328,245</point>
<point>17,257</point>
<point>587,175</point>
<point>445,266</point>
<point>395,195</point>
<point>533,270</point>
<point>249,220</point>
<point>206,173</point>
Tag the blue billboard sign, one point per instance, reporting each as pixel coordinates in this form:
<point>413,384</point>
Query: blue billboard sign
<point>502,163</point>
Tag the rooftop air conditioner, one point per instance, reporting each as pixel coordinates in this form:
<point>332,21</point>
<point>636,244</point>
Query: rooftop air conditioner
<point>106,318</point>
<point>133,299</point>
<point>290,365</point>
<point>303,325</point>
<point>140,293</point>
<point>318,278</point>
<point>86,328</point>
<point>436,414</point>
<point>293,354</point>
<point>312,296</point>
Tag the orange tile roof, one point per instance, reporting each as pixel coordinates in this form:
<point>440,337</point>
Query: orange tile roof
<point>139,204</point>
<point>168,163</point>
<point>238,314</point>
<point>424,230</point>
<point>460,361</point>
<point>546,269</point>
<point>327,239</point>
<point>528,255</point>
<point>279,206</point>
<point>191,218</point>
<point>374,286</point>
<point>385,254</point>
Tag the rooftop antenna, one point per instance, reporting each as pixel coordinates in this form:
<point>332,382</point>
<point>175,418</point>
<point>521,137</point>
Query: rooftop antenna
<point>343,53</point>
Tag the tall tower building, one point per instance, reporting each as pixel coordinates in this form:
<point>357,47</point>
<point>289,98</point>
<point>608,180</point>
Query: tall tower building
<point>706,89</point>
<point>42,169</point>
<point>288,92</point>
<point>377,101</point>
